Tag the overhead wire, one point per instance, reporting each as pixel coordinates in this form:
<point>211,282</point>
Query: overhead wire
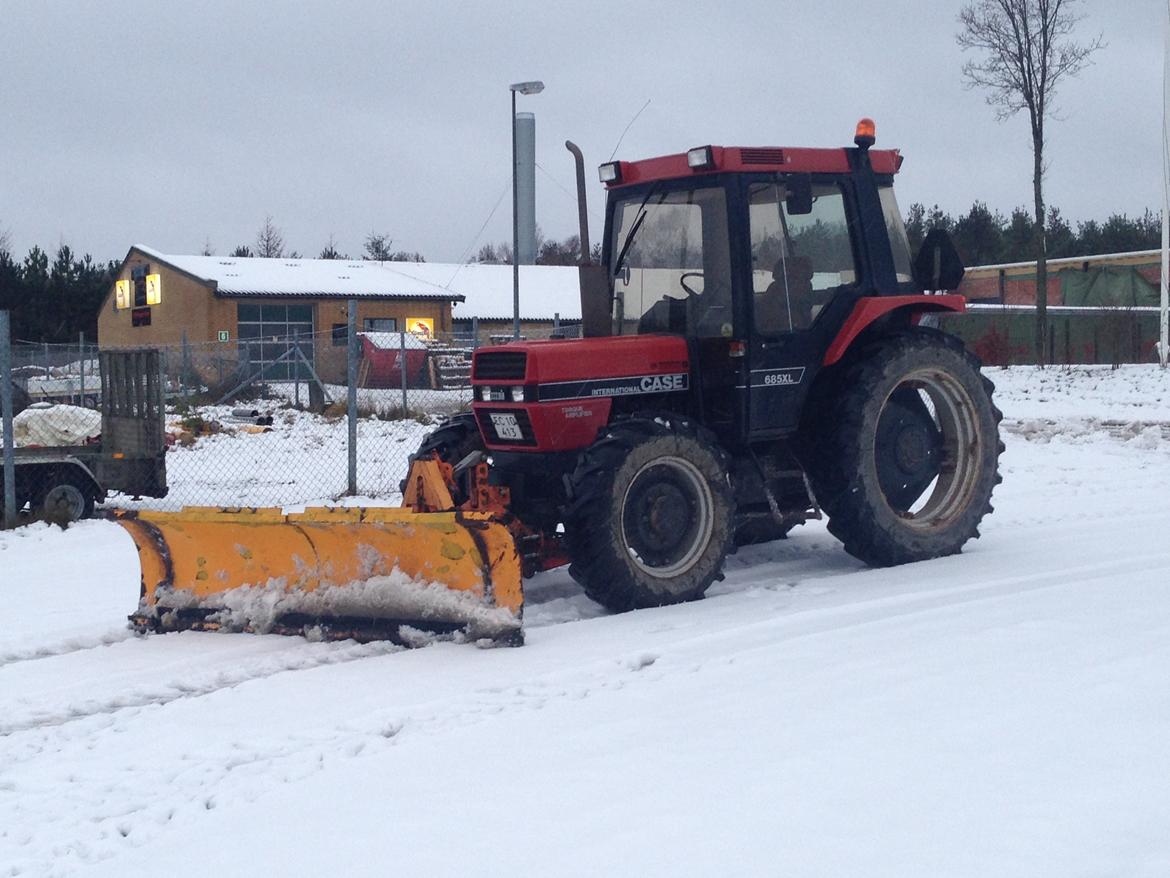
<point>475,239</point>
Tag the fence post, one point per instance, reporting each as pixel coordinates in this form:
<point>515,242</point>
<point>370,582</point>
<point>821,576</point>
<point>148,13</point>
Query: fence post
<point>185,361</point>
<point>296,372</point>
<point>475,333</point>
<point>402,367</point>
<point>6,413</point>
<point>351,380</point>
<point>81,369</point>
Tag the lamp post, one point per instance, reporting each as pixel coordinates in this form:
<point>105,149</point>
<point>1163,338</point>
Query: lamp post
<point>525,88</point>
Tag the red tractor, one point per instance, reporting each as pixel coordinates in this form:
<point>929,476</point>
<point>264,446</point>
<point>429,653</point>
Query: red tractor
<point>757,351</point>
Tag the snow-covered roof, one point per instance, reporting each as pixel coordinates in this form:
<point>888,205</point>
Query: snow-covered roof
<point>545,291</point>
<point>333,278</point>
<point>1131,256</point>
<point>478,290</point>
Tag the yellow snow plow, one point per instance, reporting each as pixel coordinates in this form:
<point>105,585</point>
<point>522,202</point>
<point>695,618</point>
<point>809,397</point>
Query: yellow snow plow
<point>363,573</point>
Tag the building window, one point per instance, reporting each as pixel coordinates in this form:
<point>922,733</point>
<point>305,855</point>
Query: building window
<point>340,335</point>
<point>138,280</point>
<point>380,324</point>
<point>268,333</point>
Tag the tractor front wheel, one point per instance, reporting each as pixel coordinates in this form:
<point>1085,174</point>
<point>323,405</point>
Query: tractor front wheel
<point>905,449</point>
<point>649,522</point>
<point>458,437</point>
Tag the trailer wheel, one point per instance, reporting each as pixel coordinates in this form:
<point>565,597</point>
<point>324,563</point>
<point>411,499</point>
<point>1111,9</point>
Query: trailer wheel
<point>905,451</point>
<point>64,497</point>
<point>650,520</point>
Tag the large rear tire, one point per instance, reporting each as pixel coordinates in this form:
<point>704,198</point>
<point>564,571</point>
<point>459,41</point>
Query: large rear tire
<point>650,519</point>
<point>904,448</point>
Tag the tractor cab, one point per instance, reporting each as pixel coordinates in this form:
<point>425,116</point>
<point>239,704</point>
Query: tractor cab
<point>758,257</point>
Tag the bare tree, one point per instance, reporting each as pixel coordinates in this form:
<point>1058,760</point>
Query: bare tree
<point>5,241</point>
<point>377,247</point>
<point>207,250</point>
<point>1025,49</point>
<point>495,254</point>
<point>269,241</point>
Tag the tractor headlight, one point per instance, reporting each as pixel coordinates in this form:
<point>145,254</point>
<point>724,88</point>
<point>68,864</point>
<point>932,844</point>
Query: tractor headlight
<point>517,393</point>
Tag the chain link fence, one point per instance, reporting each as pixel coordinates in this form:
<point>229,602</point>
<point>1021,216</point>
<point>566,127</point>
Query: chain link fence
<point>265,422</point>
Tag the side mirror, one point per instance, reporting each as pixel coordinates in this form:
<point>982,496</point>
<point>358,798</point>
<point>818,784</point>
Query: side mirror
<point>799,199</point>
<point>938,265</point>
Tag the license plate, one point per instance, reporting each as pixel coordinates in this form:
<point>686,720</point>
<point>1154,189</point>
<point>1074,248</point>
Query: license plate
<point>507,426</point>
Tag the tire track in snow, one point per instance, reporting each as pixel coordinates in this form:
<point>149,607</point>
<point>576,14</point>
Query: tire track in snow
<point>222,776</point>
<point>832,618</point>
<point>202,683</point>
<point>78,643</point>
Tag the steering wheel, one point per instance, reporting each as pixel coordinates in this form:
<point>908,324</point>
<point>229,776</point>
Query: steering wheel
<point>682,282</point>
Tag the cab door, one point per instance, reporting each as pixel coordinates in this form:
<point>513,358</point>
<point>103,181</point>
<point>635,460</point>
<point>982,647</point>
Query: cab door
<point>804,272</point>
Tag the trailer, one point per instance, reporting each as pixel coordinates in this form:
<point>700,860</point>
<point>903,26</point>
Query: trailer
<point>63,483</point>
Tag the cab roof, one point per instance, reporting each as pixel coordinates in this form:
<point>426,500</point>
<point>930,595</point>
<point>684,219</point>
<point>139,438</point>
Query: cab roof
<point>753,159</point>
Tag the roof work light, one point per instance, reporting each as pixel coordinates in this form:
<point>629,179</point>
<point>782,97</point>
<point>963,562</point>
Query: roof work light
<point>700,158</point>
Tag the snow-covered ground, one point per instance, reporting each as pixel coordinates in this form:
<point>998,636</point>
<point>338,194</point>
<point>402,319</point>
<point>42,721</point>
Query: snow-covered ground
<point>300,460</point>
<point>1003,712</point>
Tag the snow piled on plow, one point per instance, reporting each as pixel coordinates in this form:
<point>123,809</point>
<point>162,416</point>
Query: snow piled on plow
<point>396,597</point>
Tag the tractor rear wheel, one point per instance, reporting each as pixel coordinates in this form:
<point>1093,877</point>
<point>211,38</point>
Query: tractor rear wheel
<point>904,449</point>
<point>651,515</point>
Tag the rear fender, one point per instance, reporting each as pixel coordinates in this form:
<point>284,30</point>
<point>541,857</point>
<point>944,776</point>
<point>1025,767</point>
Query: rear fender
<point>869,309</point>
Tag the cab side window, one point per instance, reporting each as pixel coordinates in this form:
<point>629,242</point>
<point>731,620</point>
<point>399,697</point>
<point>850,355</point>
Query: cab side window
<point>798,260</point>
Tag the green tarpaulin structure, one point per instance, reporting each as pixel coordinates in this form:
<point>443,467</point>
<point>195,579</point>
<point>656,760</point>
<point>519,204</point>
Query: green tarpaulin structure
<point>1118,286</point>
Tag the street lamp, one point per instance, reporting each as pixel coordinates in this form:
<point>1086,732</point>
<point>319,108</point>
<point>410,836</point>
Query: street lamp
<point>525,88</point>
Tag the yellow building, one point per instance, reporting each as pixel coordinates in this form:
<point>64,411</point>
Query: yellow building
<point>227,313</point>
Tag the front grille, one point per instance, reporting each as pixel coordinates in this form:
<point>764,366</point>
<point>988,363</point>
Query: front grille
<point>491,429</point>
<point>500,365</point>
<point>762,156</point>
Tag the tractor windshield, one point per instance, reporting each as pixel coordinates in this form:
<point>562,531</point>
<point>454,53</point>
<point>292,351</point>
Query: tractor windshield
<point>672,263</point>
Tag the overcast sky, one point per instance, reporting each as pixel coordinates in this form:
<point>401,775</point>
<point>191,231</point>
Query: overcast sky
<point>171,125</point>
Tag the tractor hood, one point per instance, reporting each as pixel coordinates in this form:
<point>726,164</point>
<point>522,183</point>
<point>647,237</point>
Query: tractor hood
<point>557,395</point>
<point>581,359</point>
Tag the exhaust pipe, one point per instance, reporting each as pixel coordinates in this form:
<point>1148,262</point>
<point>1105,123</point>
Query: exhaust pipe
<point>582,213</point>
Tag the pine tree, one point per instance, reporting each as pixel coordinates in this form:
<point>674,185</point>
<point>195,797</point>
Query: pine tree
<point>979,236</point>
<point>269,241</point>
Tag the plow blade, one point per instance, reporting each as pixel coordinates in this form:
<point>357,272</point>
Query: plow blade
<point>368,574</point>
